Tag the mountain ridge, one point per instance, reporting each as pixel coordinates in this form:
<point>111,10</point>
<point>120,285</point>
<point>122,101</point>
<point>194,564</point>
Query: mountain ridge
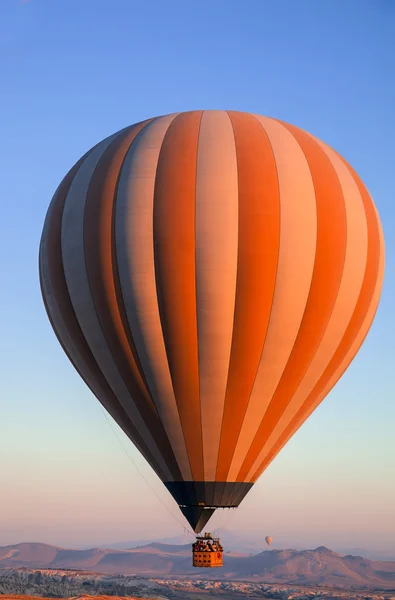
<point>246,544</point>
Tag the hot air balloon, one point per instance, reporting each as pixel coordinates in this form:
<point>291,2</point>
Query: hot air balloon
<point>268,540</point>
<point>211,275</point>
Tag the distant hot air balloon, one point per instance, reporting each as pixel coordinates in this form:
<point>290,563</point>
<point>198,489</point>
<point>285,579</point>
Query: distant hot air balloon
<point>211,275</point>
<point>268,540</point>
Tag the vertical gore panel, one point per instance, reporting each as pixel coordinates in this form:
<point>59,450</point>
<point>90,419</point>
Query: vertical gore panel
<point>328,269</point>
<point>258,244</point>
<point>349,290</point>
<point>99,246</point>
<point>63,320</point>
<point>74,263</point>
<point>296,254</point>
<point>216,267</point>
<point>133,223</point>
<point>357,329</point>
<point>174,243</point>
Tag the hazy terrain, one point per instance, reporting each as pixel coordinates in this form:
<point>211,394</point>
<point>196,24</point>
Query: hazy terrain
<point>306,567</point>
<point>248,543</point>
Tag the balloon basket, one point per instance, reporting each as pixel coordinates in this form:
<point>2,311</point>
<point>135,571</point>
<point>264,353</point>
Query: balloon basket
<point>207,552</point>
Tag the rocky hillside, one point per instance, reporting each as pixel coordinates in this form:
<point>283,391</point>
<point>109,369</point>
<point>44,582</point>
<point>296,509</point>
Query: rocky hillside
<point>88,586</point>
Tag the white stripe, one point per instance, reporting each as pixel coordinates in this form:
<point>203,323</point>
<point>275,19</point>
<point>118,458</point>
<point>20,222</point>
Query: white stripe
<point>52,306</point>
<point>80,293</point>
<point>135,258</point>
<point>298,236</point>
<point>216,269</point>
<point>367,323</point>
<point>349,290</point>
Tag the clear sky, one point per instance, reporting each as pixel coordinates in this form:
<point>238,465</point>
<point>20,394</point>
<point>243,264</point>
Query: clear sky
<point>75,71</point>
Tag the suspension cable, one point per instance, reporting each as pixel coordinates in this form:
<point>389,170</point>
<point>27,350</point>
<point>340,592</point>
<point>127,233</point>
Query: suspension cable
<point>141,474</point>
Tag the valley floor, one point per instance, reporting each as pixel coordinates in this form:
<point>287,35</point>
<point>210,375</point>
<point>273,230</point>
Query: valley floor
<point>25,584</point>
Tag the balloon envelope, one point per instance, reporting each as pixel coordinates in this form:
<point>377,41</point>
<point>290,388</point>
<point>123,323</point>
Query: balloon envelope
<point>211,275</point>
<point>268,540</point>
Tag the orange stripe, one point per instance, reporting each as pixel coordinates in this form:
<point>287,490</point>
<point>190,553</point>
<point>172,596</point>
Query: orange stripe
<point>99,247</point>
<point>258,244</point>
<point>293,279</point>
<point>356,324</point>
<point>133,226</point>
<point>327,274</point>
<point>91,374</point>
<point>174,240</point>
<point>348,294</point>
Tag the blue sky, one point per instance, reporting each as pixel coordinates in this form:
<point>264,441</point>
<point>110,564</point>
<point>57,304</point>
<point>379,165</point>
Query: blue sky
<point>73,72</point>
